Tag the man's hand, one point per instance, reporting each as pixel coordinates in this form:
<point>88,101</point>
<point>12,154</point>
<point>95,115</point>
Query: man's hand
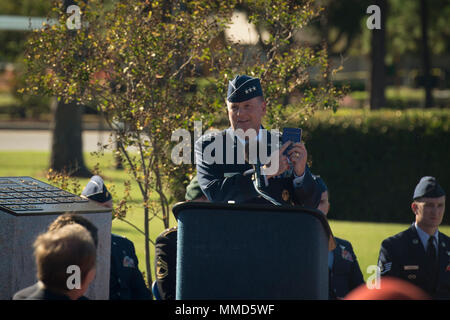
<point>298,156</point>
<point>277,158</point>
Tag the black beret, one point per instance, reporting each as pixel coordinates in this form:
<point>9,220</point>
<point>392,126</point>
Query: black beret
<point>193,190</point>
<point>243,88</point>
<point>428,187</point>
<point>96,190</point>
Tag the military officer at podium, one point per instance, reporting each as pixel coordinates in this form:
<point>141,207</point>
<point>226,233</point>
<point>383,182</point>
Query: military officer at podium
<point>421,254</point>
<point>227,179</point>
<point>343,267</point>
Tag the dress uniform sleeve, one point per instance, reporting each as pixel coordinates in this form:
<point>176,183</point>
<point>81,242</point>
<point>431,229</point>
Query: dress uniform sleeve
<point>307,193</point>
<point>388,267</point>
<point>165,263</point>
<point>356,276</point>
<point>216,186</point>
<point>139,289</point>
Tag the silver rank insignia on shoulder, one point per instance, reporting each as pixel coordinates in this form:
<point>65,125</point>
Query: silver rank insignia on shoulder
<point>415,241</point>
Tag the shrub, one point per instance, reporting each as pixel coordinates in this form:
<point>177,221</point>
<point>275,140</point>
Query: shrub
<point>372,160</point>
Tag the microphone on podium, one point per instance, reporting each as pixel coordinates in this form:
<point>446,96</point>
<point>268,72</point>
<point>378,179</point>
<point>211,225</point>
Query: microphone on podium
<point>260,182</point>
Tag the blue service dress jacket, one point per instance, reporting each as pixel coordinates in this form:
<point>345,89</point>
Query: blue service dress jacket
<point>222,182</point>
<point>38,292</point>
<point>403,256</point>
<point>166,262</point>
<point>345,274</point>
<point>126,281</point>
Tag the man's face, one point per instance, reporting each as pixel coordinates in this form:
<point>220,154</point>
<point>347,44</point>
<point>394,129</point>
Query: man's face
<point>324,204</point>
<point>429,211</point>
<point>246,114</point>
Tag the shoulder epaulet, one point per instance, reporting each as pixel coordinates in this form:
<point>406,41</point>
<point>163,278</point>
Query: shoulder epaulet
<point>343,242</point>
<point>168,231</point>
<point>118,236</point>
<point>120,240</point>
<point>444,236</point>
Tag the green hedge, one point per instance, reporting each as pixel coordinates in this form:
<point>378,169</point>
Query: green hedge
<point>372,161</point>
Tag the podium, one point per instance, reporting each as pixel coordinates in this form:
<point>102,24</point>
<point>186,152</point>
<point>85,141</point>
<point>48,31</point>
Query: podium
<point>27,207</point>
<point>228,251</point>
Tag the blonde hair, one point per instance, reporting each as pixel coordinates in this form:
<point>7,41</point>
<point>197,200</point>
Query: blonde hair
<point>56,250</point>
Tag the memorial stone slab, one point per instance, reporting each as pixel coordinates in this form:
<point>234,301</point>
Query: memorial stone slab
<point>27,207</point>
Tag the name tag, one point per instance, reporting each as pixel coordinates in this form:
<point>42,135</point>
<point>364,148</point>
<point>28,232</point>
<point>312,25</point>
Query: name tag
<point>410,267</point>
<point>230,174</point>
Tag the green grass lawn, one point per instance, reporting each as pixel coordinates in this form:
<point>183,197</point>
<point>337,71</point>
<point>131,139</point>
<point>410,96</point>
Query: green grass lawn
<point>365,237</point>
<point>35,164</point>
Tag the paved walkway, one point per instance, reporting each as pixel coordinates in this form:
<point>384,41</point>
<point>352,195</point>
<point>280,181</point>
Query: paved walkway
<point>40,140</point>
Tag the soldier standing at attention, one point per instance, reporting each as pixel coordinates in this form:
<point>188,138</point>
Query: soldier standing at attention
<point>421,254</point>
<point>344,272</point>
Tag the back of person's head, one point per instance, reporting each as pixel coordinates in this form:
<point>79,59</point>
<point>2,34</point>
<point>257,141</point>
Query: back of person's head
<point>55,251</point>
<point>73,218</point>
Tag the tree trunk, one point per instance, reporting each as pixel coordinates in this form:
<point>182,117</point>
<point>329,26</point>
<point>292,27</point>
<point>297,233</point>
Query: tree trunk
<point>426,54</point>
<point>148,269</point>
<point>378,75</point>
<point>67,144</point>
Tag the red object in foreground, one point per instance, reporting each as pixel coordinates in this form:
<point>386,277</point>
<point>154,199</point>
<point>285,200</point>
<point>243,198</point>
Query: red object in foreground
<point>390,289</point>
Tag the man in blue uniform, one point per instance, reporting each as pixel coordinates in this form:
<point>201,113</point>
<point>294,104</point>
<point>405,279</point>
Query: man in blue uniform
<point>345,274</point>
<point>126,281</point>
<point>165,264</point>
<point>166,249</point>
<point>421,254</point>
<point>225,178</point>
